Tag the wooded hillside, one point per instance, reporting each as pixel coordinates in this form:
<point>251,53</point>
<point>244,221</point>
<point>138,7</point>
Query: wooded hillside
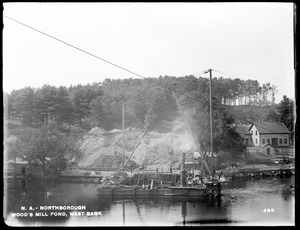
<point>147,101</point>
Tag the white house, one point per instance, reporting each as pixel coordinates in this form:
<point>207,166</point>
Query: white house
<point>276,134</point>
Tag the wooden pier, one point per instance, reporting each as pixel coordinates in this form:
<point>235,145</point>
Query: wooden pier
<point>260,172</point>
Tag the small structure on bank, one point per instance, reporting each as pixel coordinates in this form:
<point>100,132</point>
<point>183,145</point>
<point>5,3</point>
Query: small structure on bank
<point>268,149</point>
<point>18,168</point>
<point>21,168</point>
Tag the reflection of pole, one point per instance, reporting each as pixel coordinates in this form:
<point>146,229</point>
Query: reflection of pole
<point>138,210</point>
<point>183,211</point>
<point>211,124</point>
<point>123,213</point>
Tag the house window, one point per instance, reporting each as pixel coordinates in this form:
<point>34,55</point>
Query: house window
<point>256,141</point>
<point>268,140</point>
<point>280,141</point>
<point>263,141</point>
<point>285,141</point>
<point>256,133</point>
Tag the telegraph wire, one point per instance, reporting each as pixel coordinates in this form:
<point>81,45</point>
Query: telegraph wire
<point>199,74</point>
<point>111,63</point>
<point>117,103</point>
<point>236,76</point>
<point>88,53</point>
<point>239,76</point>
<point>249,75</point>
<point>102,59</point>
<point>245,120</point>
<point>75,47</point>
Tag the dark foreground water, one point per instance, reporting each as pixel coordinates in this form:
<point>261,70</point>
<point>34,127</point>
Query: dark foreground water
<point>244,202</point>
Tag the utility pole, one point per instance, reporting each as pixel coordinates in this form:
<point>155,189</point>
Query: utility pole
<point>123,133</point>
<point>211,122</point>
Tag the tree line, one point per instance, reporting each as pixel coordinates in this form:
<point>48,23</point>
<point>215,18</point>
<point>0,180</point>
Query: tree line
<point>285,113</point>
<point>245,92</point>
<point>147,100</point>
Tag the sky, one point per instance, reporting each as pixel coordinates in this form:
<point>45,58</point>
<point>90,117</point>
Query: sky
<point>236,40</point>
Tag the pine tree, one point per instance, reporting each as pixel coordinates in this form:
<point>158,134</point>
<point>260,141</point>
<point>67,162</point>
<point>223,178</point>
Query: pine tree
<point>286,112</point>
<point>23,104</point>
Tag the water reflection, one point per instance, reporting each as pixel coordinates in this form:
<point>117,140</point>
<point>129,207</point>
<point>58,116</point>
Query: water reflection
<point>162,211</point>
<point>243,202</point>
<point>183,211</point>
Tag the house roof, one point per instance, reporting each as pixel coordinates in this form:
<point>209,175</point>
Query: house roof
<point>266,145</point>
<point>18,161</point>
<point>268,127</point>
<point>243,129</point>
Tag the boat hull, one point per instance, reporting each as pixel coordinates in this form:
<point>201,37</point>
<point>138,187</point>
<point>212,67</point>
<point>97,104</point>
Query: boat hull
<point>119,191</point>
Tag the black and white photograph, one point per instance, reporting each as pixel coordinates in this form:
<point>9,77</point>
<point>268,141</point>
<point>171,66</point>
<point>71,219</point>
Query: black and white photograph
<point>149,114</point>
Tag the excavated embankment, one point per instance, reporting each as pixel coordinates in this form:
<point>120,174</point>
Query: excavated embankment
<point>102,148</point>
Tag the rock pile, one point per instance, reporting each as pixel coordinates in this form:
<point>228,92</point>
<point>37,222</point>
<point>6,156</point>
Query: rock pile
<point>102,148</point>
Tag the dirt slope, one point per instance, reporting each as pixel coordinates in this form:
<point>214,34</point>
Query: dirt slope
<point>102,148</point>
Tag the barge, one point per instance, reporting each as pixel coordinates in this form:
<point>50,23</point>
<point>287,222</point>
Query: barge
<point>137,191</point>
<point>156,187</point>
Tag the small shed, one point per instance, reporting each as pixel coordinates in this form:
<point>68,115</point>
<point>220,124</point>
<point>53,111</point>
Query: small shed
<point>18,167</point>
<point>268,149</point>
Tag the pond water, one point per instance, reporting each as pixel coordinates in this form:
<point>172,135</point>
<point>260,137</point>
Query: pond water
<point>251,202</point>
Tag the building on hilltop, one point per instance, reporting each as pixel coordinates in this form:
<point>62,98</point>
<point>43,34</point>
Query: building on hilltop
<point>276,134</point>
<point>266,137</point>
